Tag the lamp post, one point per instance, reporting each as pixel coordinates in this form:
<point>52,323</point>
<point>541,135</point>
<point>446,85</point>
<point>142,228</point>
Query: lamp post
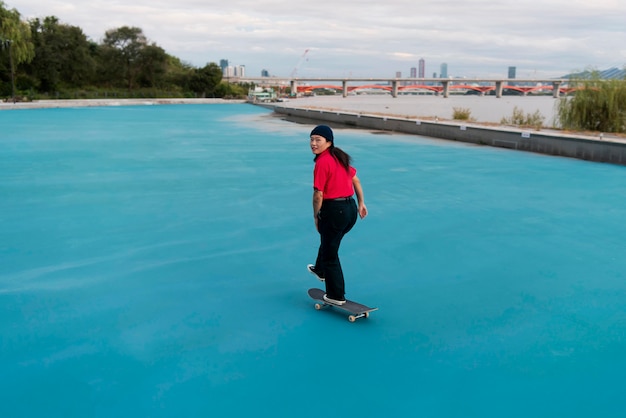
<point>6,43</point>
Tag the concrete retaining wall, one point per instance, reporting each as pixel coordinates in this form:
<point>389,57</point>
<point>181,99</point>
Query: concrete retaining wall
<point>611,150</point>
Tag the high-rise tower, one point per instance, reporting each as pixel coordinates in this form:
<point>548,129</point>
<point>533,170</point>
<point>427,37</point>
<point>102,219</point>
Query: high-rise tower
<point>224,66</point>
<point>512,72</point>
<point>443,73</point>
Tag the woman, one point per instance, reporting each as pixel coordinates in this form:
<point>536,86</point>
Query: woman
<point>334,209</point>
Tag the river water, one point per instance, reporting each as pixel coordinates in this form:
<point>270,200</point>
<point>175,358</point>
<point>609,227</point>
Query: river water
<point>484,109</point>
<point>152,264</point>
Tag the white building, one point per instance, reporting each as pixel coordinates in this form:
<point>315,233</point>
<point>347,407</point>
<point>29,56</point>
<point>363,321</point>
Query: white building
<point>234,71</point>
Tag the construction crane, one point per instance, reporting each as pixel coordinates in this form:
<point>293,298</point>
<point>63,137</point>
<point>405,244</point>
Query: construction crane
<point>302,58</point>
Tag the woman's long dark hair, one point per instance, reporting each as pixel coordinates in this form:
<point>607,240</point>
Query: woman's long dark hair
<point>340,155</point>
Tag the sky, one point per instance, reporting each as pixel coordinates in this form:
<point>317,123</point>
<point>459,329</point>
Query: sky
<point>364,38</point>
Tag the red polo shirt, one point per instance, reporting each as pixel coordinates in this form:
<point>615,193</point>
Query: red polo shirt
<point>330,177</point>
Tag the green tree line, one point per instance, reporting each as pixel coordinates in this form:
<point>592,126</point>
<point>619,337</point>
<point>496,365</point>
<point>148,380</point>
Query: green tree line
<point>47,58</point>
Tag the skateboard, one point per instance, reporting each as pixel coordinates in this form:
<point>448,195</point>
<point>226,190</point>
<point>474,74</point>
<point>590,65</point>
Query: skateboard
<point>356,310</point>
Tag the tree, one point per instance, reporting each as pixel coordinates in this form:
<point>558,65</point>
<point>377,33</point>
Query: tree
<point>45,55</point>
<point>124,45</point>
<point>178,74</point>
<point>205,80</point>
<point>152,66</point>
<point>110,71</point>
<point>15,39</point>
<point>597,105</point>
<point>63,55</point>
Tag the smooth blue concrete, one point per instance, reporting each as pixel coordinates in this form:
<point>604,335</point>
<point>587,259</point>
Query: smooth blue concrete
<point>152,263</point>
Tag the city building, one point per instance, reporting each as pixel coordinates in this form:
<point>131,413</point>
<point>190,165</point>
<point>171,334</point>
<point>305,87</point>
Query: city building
<point>443,73</point>
<point>265,73</point>
<point>512,72</point>
<point>413,72</point>
<point>232,70</point>
<point>223,65</point>
<point>422,68</point>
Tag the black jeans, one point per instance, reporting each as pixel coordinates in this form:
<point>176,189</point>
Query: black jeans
<point>336,219</point>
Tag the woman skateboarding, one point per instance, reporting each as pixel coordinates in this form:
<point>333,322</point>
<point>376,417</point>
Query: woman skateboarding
<point>334,209</point>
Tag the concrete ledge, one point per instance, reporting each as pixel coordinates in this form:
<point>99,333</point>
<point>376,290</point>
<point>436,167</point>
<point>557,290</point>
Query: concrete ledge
<point>609,150</point>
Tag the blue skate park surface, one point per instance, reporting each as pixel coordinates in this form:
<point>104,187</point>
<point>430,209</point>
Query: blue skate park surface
<point>153,263</point>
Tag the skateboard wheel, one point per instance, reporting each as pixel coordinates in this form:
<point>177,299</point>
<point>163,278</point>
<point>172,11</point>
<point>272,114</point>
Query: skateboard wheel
<point>318,306</point>
<point>367,314</point>
<point>352,318</point>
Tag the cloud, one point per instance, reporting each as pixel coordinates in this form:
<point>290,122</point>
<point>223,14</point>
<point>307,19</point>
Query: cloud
<point>371,39</point>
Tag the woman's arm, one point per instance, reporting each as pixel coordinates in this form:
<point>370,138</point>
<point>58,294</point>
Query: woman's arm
<point>318,198</point>
<point>359,196</point>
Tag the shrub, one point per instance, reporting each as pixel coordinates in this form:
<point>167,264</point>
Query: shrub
<point>520,119</point>
<point>459,113</point>
<point>597,105</point>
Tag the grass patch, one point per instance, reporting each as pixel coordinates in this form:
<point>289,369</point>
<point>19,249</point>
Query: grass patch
<point>519,118</point>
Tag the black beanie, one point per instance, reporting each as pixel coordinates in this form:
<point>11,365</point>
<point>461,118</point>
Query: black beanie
<point>325,131</point>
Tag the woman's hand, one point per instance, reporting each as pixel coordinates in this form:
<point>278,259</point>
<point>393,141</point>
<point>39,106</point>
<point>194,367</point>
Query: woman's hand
<point>362,210</point>
<point>359,196</point>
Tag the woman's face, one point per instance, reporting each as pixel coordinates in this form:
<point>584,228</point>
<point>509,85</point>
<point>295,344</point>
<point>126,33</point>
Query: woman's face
<point>319,144</point>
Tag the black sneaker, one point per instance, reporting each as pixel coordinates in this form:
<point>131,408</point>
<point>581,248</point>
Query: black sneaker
<point>333,301</point>
<point>311,269</point>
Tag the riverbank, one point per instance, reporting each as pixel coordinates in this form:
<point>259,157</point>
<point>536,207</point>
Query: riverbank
<point>419,116</point>
<point>47,104</point>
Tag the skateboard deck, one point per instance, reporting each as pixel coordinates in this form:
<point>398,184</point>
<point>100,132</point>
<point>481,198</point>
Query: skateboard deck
<point>356,310</point>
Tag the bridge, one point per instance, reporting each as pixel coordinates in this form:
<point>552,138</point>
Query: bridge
<point>394,86</point>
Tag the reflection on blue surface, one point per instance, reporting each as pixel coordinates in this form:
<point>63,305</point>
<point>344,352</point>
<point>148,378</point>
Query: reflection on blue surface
<point>152,263</point>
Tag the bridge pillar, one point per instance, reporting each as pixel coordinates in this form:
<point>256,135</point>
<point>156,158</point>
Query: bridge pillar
<point>294,88</point>
<point>394,88</point>
<point>446,89</point>
<point>499,87</point>
<point>555,91</point>
<point>344,88</point>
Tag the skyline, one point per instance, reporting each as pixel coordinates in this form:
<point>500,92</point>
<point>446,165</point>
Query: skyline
<point>475,38</point>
